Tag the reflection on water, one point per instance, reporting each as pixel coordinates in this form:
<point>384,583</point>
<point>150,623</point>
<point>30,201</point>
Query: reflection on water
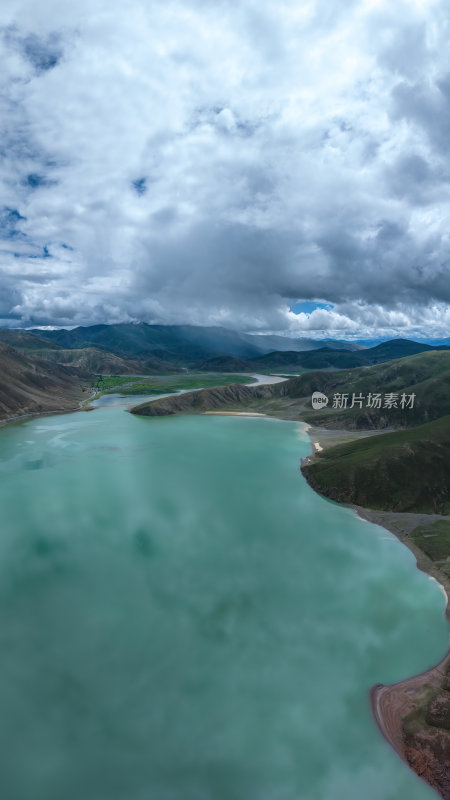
<point>181,617</point>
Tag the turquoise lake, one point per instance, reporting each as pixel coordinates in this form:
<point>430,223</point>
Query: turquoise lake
<point>183,618</point>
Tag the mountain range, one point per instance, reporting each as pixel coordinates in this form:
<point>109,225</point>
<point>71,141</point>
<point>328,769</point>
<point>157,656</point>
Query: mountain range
<point>38,368</point>
<point>161,347</point>
<point>321,358</point>
<point>128,348</point>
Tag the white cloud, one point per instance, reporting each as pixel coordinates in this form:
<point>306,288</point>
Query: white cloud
<point>212,163</point>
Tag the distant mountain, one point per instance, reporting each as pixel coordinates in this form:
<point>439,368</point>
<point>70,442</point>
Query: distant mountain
<point>25,340</point>
<point>371,342</point>
<point>386,351</point>
<point>226,364</point>
<point>164,348</point>
<point>90,359</point>
<point>397,348</point>
<point>31,386</point>
<point>178,344</point>
<point>102,362</point>
<point>324,358</point>
<point>288,360</point>
<point>435,342</point>
<point>266,343</point>
<point>171,343</point>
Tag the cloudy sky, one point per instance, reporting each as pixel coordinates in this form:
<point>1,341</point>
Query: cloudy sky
<point>258,164</point>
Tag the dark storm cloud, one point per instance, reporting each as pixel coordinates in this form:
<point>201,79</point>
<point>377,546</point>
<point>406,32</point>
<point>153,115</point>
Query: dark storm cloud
<point>140,185</point>
<point>41,52</point>
<point>426,104</point>
<point>404,49</point>
<point>10,220</point>
<point>35,181</point>
<point>215,163</point>
<point>412,177</point>
<point>9,297</point>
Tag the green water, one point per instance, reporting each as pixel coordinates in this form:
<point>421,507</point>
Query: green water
<point>183,618</point>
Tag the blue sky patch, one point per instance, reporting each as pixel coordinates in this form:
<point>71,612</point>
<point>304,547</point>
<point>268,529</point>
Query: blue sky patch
<point>308,306</point>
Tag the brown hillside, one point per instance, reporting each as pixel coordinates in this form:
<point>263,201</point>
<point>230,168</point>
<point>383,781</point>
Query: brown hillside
<point>32,386</point>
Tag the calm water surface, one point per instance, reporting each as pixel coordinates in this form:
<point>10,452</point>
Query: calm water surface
<point>183,618</point>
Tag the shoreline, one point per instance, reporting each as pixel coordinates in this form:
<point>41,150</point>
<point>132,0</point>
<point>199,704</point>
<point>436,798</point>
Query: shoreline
<point>423,562</point>
<point>35,414</point>
<point>391,704</point>
<point>233,414</point>
<point>393,521</point>
<point>83,405</point>
<point>398,697</point>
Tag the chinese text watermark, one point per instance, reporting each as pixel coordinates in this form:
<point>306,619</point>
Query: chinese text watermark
<point>342,400</point>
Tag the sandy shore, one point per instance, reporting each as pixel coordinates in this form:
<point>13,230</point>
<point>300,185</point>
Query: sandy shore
<point>392,703</point>
<point>427,750</point>
<point>234,414</point>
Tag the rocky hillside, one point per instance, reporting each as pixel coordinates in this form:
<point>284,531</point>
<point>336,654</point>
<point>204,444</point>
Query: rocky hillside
<point>204,400</point>
<point>426,732</point>
<point>31,386</point>
<point>94,361</point>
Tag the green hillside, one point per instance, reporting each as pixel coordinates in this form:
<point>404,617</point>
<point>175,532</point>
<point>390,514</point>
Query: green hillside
<point>25,341</point>
<point>426,375</point>
<point>402,471</point>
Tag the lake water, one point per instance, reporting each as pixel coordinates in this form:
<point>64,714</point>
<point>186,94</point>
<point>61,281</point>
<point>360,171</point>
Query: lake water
<point>183,618</point>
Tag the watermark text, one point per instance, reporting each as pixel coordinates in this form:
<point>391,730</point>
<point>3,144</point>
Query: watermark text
<point>343,400</point>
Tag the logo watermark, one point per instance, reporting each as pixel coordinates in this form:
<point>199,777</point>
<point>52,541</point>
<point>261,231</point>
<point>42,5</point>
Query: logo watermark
<point>319,400</point>
<point>372,400</point>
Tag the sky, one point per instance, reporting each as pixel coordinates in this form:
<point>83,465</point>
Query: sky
<point>265,166</point>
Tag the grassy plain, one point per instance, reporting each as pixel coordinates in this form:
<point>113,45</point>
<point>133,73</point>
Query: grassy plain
<point>138,385</point>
